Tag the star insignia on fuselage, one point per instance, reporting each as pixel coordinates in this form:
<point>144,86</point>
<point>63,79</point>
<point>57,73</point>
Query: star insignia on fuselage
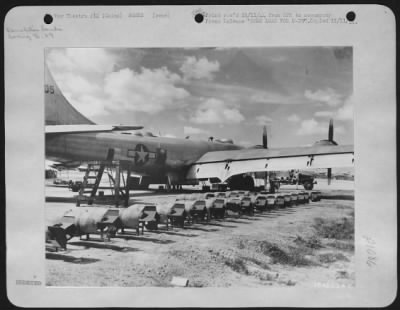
<point>142,155</point>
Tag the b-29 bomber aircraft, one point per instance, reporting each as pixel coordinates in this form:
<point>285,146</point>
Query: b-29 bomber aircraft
<point>71,139</point>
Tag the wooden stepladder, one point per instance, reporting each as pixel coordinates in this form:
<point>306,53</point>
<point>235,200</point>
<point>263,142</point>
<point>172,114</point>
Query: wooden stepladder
<point>95,171</point>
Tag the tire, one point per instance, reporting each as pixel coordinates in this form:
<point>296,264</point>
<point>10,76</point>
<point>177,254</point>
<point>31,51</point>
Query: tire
<point>205,216</point>
<point>308,186</point>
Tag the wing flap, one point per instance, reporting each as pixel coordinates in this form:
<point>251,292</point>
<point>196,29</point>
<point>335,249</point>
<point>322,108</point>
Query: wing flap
<point>262,161</point>
<point>210,170</point>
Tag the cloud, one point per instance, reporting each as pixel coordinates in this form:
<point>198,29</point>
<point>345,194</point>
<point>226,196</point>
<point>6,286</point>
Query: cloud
<point>169,135</point>
<point>188,130</point>
<point>246,143</point>
<point>278,58</point>
<point>268,97</point>
<point>293,118</point>
<point>263,120</point>
<point>312,127</point>
<point>324,113</point>
<point>346,112</point>
<point>197,69</point>
<point>214,111</point>
<point>80,73</point>
<point>149,91</point>
<point>96,60</point>
<point>76,84</point>
<point>90,105</point>
<point>328,96</point>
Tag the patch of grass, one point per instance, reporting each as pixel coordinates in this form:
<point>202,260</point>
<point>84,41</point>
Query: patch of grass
<point>258,262</point>
<point>297,256</point>
<point>266,277</point>
<point>341,229</point>
<point>294,256</point>
<point>341,245</point>
<point>237,265</point>
<point>327,258</point>
<point>313,242</point>
<point>195,284</point>
<point>272,250</point>
<point>342,274</point>
<point>351,213</point>
<point>287,282</point>
<point>241,244</point>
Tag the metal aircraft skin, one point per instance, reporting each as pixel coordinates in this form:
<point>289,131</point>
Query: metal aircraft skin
<point>71,137</point>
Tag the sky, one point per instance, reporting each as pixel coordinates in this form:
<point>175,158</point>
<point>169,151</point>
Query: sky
<point>220,92</point>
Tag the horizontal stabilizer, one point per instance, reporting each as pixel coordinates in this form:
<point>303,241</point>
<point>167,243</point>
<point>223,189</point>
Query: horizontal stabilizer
<point>57,129</point>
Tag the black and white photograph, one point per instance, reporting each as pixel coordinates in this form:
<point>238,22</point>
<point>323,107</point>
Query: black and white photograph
<point>200,156</point>
<point>222,167</point>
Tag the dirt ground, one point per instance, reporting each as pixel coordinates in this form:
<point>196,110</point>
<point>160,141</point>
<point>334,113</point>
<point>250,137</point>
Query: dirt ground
<point>309,245</point>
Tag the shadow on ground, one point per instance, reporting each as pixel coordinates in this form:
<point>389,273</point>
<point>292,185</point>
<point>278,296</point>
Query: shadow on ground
<point>71,259</point>
<point>89,245</point>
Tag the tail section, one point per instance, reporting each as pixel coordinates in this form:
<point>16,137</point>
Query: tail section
<point>57,108</point>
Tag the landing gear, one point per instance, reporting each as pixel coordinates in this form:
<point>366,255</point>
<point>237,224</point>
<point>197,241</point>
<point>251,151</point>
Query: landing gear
<point>274,186</point>
<point>241,182</point>
<point>308,186</point>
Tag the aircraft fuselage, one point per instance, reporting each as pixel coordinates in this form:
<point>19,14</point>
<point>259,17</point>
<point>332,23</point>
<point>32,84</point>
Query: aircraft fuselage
<point>146,155</point>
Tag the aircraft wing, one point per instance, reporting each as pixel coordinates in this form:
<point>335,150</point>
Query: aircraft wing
<point>224,164</point>
<point>57,129</point>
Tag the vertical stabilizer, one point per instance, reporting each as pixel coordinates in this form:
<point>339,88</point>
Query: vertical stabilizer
<point>57,108</point>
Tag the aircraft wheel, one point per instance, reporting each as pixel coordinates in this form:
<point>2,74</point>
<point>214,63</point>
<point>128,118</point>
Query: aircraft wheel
<point>239,182</point>
<point>308,186</point>
<point>204,215</point>
<point>151,226</point>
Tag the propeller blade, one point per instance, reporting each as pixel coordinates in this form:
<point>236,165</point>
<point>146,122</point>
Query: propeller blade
<point>329,176</point>
<point>330,132</point>
<point>265,138</point>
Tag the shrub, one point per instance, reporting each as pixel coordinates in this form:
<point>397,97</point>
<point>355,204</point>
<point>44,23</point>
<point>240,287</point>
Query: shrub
<point>342,229</point>
<point>237,265</point>
<point>294,256</point>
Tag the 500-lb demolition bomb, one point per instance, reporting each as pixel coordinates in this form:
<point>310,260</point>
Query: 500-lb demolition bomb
<point>192,207</point>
